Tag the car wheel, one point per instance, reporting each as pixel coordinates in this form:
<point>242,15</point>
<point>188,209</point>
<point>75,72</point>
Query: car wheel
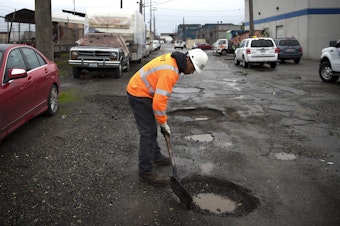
<point>297,61</point>
<point>236,62</point>
<point>118,71</point>
<point>127,66</point>
<point>224,52</point>
<point>76,72</point>
<point>53,101</point>
<point>326,72</point>
<point>245,64</point>
<point>273,65</point>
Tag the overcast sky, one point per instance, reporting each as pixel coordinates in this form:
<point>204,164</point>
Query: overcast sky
<point>168,13</point>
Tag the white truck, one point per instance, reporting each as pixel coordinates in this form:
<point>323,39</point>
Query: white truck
<point>127,23</point>
<point>221,47</point>
<point>329,67</point>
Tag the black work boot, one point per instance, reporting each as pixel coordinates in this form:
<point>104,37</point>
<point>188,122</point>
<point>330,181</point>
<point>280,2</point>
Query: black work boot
<point>163,161</point>
<point>153,178</point>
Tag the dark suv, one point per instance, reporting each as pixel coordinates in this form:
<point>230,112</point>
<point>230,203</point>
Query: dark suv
<point>289,49</point>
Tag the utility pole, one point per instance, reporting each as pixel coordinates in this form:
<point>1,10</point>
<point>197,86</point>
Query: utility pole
<point>183,31</point>
<point>141,7</point>
<point>43,23</point>
<point>150,16</point>
<point>251,19</point>
<point>121,4</point>
<point>154,22</point>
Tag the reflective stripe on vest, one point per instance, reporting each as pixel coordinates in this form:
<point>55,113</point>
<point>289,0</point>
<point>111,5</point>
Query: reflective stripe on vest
<point>160,113</point>
<point>144,74</point>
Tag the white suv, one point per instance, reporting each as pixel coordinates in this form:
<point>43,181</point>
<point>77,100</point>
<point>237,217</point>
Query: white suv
<point>329,68</point>
<point>256,51</point>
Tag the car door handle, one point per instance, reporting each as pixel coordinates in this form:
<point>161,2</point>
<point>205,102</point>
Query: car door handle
<point>46,70</point>
<point>29,79</point>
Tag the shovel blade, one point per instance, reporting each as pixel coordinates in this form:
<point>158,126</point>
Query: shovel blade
<point>181,192</point>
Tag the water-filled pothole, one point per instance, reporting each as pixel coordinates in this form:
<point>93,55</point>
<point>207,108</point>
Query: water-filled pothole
<point>200,137</point>
<point>285,156</point>
<point>223,198</point>
<point>213,203</point>
<point>197,114</point>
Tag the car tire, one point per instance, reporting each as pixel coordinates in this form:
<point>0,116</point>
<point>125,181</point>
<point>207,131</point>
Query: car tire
<point>76,72</point>
<point>245,64</point>
<point>273,65</point>
<point>118,71</point>
<point>297,60</point>
<point>326,72</point>
<point>224,52</point>
<point>236,61</point>
<point>53,101</point>
<point>127,67</point>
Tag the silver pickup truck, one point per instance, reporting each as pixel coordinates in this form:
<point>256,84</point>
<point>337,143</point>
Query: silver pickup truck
<point>100,51</point>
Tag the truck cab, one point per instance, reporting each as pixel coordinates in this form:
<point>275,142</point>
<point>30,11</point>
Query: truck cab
<point>329,67</point>
<point>221,47</point>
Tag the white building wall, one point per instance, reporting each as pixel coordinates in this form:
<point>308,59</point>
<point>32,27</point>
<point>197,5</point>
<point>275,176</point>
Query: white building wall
<point>313,30</point>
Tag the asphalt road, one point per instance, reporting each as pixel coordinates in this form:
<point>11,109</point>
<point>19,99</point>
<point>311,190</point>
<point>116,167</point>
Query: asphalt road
<point>265,139</point>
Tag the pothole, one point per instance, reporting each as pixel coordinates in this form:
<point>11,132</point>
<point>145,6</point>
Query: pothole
<point>214,203</point>
<point>285,156</point>
<point>186,90</point>
<point>217,197</point>
<point>200,138</point>
<point>196,114</point>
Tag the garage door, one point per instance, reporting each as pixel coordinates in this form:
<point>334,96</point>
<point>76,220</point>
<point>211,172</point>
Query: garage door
<point>279,32</point>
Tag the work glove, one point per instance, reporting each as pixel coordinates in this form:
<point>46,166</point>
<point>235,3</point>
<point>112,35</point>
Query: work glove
<point>165,129</point>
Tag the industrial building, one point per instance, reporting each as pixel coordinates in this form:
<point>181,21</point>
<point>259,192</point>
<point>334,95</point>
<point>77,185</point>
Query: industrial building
<point>313,22</point>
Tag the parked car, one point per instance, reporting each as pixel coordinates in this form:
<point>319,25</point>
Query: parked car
<point>256,51</point>
<point>156,44</point>
<point>179,44</point>
<point>30,86</point>
<point>203,46</point>
<point>289,49</point>
<point>329,67</point>
<point>146,50</point>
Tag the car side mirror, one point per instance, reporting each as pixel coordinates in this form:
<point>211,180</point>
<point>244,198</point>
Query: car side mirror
<point>15,73</point>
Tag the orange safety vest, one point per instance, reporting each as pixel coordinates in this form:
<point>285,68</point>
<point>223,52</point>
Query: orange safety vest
<point>155,80</point>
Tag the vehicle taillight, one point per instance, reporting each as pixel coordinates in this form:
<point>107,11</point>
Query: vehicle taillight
<point>277,50</point>
<point>300,50</point>
<point>247,51</point>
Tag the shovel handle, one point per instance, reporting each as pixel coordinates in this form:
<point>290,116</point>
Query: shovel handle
<point>167,140</point>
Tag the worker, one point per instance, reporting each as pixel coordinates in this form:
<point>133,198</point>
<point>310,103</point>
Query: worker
<point>148,92</point>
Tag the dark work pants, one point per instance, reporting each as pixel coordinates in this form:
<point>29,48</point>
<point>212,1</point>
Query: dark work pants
<point>149,149</point>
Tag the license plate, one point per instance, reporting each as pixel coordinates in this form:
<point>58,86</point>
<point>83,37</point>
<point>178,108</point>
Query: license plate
<point>290,50</point>
<point>93,65</point>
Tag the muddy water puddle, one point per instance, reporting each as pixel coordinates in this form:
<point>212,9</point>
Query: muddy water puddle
<point>285,156</point>
<point>200,137</point>
<point>196,114</point>
<point>213,203</point>
<point>217,197</point>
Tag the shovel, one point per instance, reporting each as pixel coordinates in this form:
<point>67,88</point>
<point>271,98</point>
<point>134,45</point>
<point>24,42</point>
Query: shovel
<point>175,185</point>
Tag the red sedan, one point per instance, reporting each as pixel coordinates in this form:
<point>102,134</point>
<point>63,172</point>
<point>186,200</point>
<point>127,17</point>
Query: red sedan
<point>30,86</point>
<point>203,46</point>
